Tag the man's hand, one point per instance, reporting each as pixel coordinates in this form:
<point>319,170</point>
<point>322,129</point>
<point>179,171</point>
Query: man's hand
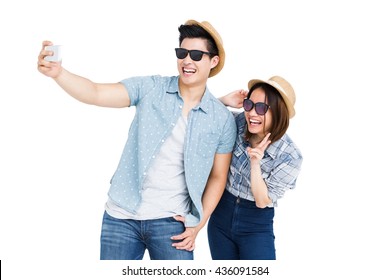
<point>51,69</point>
<point>187,237</point>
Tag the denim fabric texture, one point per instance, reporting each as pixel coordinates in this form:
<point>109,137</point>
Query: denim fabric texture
<point>238,230</point>
<point>125,239</point>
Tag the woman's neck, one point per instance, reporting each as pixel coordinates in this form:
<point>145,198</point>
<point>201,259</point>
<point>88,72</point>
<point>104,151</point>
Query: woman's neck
<point>255,139</point>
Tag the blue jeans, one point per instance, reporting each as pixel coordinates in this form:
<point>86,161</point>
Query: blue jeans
<point>238,230</point>
<point>125,239</point>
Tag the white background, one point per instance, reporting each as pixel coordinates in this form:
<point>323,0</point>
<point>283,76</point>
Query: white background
<point>57,155</point>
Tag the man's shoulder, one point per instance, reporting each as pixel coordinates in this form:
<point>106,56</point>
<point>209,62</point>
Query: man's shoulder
<point>218,105</point>
<point>223,111</point>
<point>151,79</point>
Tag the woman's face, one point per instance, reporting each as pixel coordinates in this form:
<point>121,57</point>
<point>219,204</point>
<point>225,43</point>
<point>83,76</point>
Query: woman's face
<point>258,124</point>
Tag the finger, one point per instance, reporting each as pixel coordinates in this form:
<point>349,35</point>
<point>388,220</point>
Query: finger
<point>192,248</point>
<point>259,152</point>
<point>46,66</point>
<point>46,43</point>
<point>179,218</point>
<point>256,156</point>
<point>267,137</point>
<point>44,53</point>
<point>41,58</point>
<point>184,245</point>
<point>251,153</point>
<point>180,242</point>
<point>264,142</point>
<point>188,232</point>
<point>179,237</point>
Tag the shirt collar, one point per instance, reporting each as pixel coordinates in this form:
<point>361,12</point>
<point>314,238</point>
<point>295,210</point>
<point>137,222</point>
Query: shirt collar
<point>274,149</point>
<point>205,102</point>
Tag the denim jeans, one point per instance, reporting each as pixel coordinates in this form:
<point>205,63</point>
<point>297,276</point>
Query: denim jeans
<point>238,230</point>
<point>125,239</point>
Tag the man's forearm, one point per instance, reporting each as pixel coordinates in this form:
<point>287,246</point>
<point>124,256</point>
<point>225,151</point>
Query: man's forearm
<point>211,197</point>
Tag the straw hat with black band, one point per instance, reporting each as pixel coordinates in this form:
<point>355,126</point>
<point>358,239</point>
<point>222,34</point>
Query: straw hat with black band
<point>283,87</point>
<point>218,41</point>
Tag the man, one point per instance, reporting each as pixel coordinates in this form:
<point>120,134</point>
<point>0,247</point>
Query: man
<point>174,166</point>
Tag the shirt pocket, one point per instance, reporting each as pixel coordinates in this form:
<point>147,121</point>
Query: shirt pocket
<point>207,144</point>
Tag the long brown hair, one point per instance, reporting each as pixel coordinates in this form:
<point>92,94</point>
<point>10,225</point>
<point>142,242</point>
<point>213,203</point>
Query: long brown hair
<point>279,111</point>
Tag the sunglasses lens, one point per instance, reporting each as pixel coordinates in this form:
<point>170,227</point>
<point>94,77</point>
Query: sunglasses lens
<point>248,105</point>
<point>196,55</point>
<point>261,108</point>
<point>181,53</point>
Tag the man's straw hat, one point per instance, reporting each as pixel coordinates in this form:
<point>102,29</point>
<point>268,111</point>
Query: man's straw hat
<point>218,41</point>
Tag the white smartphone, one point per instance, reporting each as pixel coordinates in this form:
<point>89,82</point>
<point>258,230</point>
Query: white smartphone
<point>57,55</point>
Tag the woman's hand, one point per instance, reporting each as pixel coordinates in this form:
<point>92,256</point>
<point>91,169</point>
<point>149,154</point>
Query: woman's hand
<point>257,153</point>
<point>234,99</point>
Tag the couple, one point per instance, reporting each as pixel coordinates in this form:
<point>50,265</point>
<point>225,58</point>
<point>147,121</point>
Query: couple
<point>182,146</point>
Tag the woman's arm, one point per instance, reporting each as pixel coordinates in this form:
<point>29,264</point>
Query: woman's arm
<point>234,99</point>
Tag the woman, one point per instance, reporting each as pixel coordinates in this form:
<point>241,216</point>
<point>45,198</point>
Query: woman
<point>265,164</point>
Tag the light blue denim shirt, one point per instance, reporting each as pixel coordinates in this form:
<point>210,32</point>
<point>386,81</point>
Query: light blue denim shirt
<point>211,129</point>
<point>280,166</point>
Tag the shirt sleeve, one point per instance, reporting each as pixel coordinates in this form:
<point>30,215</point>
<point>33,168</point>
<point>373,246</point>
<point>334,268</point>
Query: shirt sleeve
<point>138,87</point>
<point>283,177</point>
<point>228,136</point>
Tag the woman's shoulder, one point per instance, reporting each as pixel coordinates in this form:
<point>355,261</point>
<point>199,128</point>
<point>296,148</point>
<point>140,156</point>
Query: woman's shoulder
<point>285,147</point>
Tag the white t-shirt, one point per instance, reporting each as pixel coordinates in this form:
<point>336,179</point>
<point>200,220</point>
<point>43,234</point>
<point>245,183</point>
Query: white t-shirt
<point>164,192</point>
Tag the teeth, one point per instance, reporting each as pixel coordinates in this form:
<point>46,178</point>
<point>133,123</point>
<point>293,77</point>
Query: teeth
<point>254,121</point>
<point>188,70</point>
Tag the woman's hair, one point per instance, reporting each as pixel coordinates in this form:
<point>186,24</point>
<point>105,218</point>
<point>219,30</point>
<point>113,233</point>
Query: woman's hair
<point>195,31</point>
<point>279,111</point>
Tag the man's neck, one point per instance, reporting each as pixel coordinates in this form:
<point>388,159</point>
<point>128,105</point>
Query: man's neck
<point>191,96</point>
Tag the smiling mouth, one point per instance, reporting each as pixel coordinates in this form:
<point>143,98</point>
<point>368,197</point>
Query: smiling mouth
<point>255,122</point>
<point>188,71</point>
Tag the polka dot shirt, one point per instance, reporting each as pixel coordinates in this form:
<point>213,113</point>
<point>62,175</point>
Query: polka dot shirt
<point>211,129</point>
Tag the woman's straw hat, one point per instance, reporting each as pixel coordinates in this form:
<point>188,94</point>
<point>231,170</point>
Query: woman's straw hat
<point>283,87</point>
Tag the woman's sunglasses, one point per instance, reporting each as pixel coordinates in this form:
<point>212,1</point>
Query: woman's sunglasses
<point>195,55</point>
<point>260,107</point>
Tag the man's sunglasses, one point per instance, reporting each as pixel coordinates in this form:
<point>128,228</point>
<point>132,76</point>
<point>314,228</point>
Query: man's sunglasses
<point>194,54</point>
<point>260,107</point>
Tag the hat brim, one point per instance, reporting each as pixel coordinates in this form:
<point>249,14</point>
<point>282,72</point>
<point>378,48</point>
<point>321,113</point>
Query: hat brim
<point>218,41</point>
<point>286,98</point>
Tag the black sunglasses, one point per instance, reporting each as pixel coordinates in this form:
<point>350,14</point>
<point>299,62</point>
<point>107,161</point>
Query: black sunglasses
<point>260,107</point>
<point>195,55</point>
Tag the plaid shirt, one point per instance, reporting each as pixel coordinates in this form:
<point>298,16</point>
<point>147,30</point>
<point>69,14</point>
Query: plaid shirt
<point>280,166</point>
